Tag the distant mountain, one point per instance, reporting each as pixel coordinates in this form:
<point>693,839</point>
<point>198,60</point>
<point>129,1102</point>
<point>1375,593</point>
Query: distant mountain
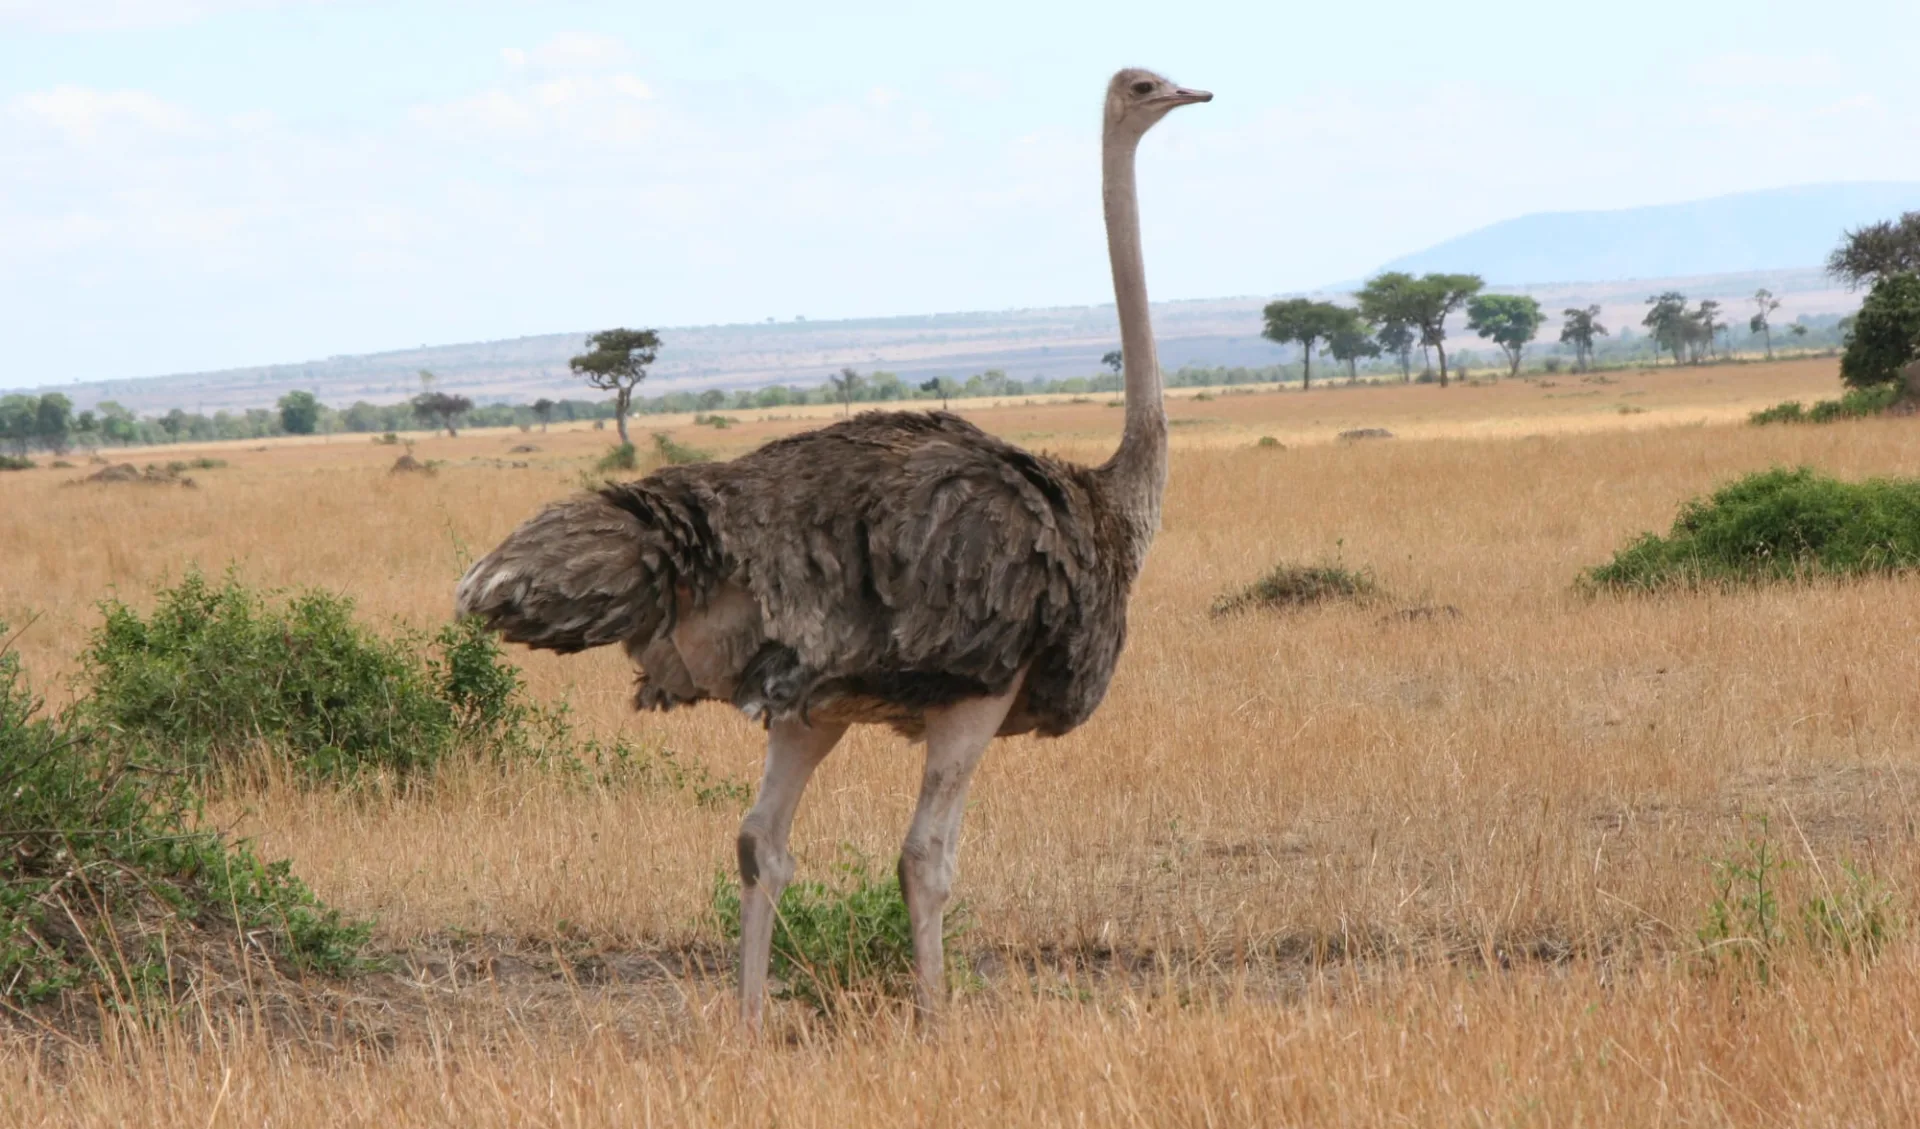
<point>1749,231</point>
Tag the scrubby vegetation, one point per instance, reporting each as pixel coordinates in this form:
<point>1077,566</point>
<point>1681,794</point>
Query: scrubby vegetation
<point>622,457</point>
<point>843,944</point>
<point>109,882</point>
<point>217,671</point>
<point>678,454</point>
<point>1297,586</point>
<point>15,462</point>
<point>1856,403</point>
<point>219,676</point>
<point>1776,525</point>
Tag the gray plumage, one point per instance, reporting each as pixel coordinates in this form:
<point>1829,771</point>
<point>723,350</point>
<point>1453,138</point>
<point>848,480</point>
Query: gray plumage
<point>889,563</point>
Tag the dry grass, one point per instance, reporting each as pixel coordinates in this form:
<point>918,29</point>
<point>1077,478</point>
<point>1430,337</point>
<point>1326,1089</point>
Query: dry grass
<point>1537,784</point>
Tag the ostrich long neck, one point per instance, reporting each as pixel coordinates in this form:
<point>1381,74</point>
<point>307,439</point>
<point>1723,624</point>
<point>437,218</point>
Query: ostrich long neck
<point>1138,469</point>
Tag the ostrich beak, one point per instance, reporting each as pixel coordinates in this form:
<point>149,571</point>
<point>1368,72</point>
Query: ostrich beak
<point>1186,97</point>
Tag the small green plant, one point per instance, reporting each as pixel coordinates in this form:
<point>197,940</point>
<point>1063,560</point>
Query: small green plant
<point>387,439</point>
<point>1745,929</point>
<point>111,885</point>
<point>1270,443</point>
<point>623,457</point>
<point>1298,586</point>
<point>1776,525</point>
<point>1856,919</point>
<point>840,945</point>
<point>1742,926</point>
<point>15,462</point>
<point>201,463</point>
<point>678,454</point>
<point>718,422</point>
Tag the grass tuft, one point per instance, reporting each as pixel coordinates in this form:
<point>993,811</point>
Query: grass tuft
<point>678,454</point>
<point>844,945</point>
<point>1297,586</point>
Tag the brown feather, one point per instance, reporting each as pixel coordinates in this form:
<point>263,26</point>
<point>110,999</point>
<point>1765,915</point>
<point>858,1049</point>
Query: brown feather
<point>897,561</point>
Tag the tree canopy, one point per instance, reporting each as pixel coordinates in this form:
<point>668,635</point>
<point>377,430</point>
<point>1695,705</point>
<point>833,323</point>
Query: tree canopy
<point>1304,322</point>
<point>1876,251</point>
<point>1419,305</point>
<point>442,407</point>
<point>1508,320</point>
<point>617,362</point>
<point>1886,334</point>
<point>1578,329</point>
<point>299,413</point>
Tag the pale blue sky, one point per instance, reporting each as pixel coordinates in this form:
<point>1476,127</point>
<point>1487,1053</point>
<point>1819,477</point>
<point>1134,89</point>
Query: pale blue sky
<point>192,184</point>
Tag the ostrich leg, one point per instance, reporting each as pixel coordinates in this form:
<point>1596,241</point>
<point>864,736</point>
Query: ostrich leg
<point>956,737</point>
<point>794,750</point>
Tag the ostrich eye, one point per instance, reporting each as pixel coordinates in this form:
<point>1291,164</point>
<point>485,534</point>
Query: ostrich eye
<point>1143,88</point>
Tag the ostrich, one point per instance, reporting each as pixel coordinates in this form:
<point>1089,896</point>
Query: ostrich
<point>897,568</point>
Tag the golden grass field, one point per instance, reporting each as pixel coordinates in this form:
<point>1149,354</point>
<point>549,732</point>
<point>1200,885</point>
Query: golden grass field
<point>1328,867</point>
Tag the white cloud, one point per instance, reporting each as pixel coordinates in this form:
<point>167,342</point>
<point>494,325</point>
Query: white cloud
<point>575,50</point>
<point>1739,69</point>
<point>81,114</point>
<point>121,15</point>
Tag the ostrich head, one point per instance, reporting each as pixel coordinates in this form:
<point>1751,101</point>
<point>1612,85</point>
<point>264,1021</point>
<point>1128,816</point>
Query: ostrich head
<point>1136,99</point>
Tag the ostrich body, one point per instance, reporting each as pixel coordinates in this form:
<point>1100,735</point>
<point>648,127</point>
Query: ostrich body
<point>899,568</point>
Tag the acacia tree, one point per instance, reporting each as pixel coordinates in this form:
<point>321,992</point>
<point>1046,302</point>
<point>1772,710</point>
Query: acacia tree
<point>1764,304</point>
<point>617,363</point>
<point>1508,320</point>
<point>1579,330</point>
<point>1885,337</point>
<point>543,411</point>
<point>844,386</point>
<point>1304,322</point>
<point>1873,252</point>
<point>299,413</point>
<point>1707,318</point>
<point>1351,342</point>
<point>1114,360</point>
<point>1668,322</point>
<point>1385,302</point>
<point>940,386</point>
<point>442,409</point>
<point>1421,304</point>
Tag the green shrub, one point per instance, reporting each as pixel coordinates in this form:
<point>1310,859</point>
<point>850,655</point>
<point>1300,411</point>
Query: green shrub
<point>218,670</point>
<point>109,884</point>
<point>842,944</point>
<point>201,463</point>
<point>678,454</point>
<point>15,462</point>
<point>717,422</point>
<point>1776,525</point>
<point>1886,333</point>
<point>1790,412</point>
<point>1855,403</point>
<point>623,457</point>
<point>1298,586</point>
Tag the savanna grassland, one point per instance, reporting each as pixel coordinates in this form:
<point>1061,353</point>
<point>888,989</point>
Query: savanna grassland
<point>1450,856</point>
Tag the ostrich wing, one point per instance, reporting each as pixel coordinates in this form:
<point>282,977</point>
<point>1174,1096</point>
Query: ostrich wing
<point>589,571</point>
